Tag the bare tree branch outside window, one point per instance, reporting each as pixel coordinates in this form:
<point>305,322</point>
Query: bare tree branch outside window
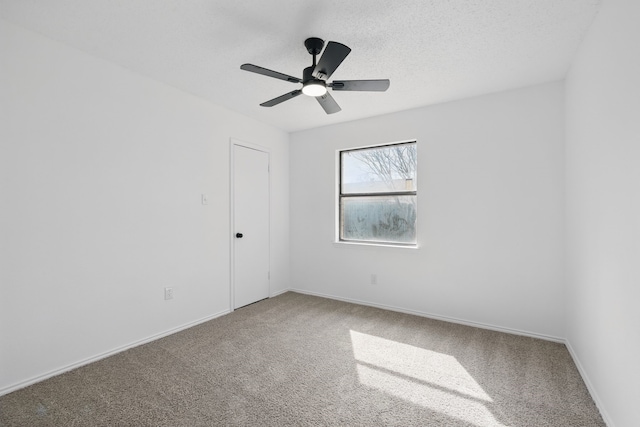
<point>394,163</point>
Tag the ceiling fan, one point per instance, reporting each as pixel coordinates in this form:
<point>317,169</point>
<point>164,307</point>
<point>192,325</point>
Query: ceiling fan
<point>314,78</point>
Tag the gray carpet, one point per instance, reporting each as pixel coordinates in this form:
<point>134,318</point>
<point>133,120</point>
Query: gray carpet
<point>298,360</point>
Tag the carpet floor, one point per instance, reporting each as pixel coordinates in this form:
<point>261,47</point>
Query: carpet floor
<point>299,360</point>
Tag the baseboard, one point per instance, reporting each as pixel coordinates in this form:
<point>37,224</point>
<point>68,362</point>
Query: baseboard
<point>590,387</point>
<point>437,317</point>
<point>280,292</point>
<point>42,377</point>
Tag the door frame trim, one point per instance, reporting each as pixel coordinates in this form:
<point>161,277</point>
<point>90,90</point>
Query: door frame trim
<point>232,241</point>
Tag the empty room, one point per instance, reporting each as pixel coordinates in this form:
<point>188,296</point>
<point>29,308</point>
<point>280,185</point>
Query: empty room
<point>447,235</point>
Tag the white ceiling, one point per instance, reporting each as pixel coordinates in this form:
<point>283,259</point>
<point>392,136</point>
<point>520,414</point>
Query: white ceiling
<point>432,50</point>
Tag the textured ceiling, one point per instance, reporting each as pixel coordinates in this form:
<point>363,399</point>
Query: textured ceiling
<point>432,50</point>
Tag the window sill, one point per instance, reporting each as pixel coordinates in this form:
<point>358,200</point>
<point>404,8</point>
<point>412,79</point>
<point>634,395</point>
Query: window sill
<point>341,244</point>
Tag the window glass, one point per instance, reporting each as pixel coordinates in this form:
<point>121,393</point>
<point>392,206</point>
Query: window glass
<point>379,219</point>
<point>379,169</point>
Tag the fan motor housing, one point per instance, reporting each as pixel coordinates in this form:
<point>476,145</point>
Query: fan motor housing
<point>309,80</point>
<point>307,74</point>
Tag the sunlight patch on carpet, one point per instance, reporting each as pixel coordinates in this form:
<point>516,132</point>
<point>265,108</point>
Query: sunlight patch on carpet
<point>433,380</point>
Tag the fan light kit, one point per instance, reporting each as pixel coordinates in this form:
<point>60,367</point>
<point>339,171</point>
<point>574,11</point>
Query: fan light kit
<point>314,88</point>
<point>314,78</point>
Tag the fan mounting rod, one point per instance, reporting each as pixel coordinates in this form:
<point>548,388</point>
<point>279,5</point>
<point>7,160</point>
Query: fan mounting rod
<point>314,46</point>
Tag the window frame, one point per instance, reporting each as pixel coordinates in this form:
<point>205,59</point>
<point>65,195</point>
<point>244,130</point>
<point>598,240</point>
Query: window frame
<point>341,196</point>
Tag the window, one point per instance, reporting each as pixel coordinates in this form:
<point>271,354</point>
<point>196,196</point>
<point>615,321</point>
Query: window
<point>378,194</point>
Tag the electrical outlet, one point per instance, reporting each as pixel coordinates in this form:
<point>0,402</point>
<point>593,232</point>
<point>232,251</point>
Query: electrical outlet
<point>374,279</point>
<point>168,293</point>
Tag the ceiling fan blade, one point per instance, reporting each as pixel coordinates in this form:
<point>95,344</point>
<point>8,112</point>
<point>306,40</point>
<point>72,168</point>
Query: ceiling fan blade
<point>332,57</point>
<point>281,98</point>
<point>328,103</point>
<point>361,85</point>
<point>269,73</point>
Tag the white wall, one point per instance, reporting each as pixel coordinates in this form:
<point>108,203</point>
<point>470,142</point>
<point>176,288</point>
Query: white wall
<point>102,171</point>
<point>490,220</point>
<point>603,210</point>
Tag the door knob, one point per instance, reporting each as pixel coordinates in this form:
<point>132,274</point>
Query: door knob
<point>239,235</point>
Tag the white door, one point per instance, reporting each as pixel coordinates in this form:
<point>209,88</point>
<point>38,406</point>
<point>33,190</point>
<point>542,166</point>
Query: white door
<point>251,225</point>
